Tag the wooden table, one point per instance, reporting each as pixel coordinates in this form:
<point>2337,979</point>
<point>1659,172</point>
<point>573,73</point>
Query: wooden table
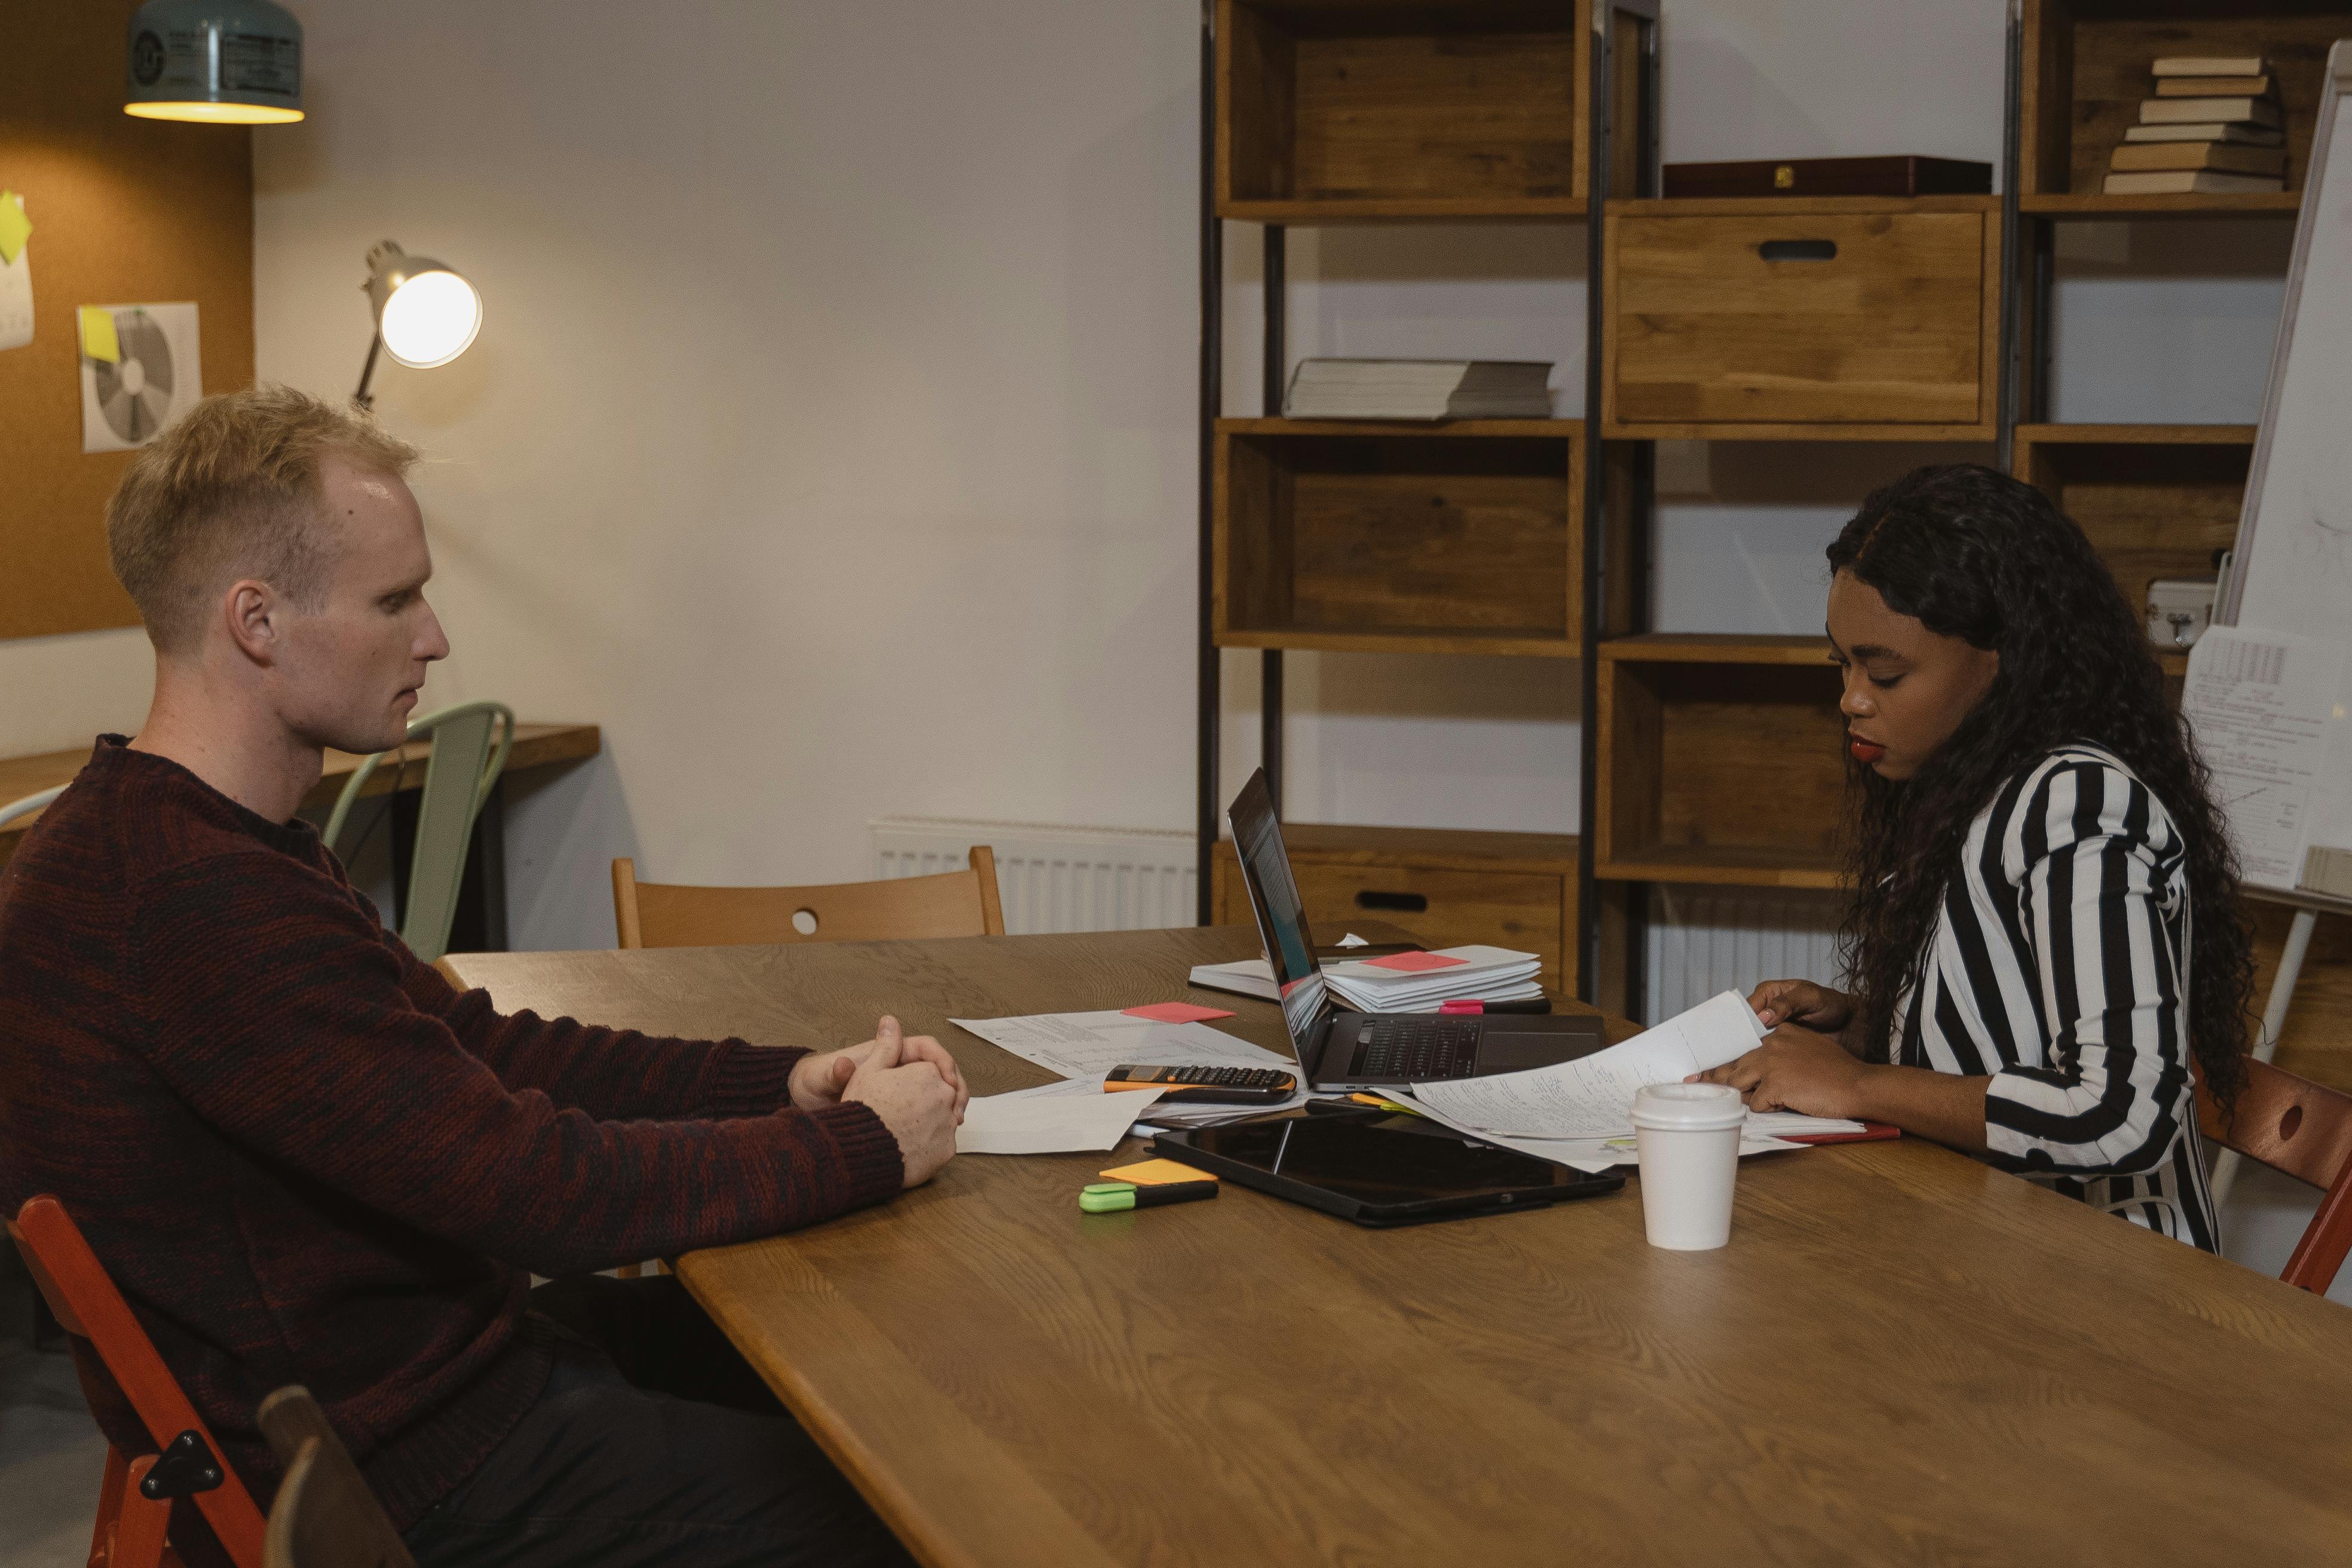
<point>1903,1356</point>
<point>481,915</point>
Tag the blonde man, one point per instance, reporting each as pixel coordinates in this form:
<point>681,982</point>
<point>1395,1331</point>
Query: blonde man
<point>307,1158</point>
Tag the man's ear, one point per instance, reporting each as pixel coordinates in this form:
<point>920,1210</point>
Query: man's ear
<point>255,615</point>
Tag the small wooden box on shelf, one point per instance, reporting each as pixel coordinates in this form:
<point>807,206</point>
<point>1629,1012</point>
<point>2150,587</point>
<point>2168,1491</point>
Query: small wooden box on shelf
<point>1721,760</point>
<point>1369,537</point>
<point>2157,500</point>
<point>1448,888</point>
<point>2085,71</point>
<point>1350,110</point>
<point>1846,318</point>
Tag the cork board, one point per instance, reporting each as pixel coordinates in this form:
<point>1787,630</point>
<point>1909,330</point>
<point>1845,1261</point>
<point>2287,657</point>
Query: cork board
<point>124,211</point>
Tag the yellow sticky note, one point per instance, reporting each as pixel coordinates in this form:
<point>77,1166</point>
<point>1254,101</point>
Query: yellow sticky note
<point>98,339</point>
<point>14,226</point>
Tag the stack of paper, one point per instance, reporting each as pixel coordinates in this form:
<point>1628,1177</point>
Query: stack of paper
<point>1423,982</point>
<point>1419,389</point>
<point>1084,1047</point>
<point>1592,1097</point>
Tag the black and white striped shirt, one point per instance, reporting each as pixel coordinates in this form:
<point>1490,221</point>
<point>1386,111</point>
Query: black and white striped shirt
<point>2058,965</point>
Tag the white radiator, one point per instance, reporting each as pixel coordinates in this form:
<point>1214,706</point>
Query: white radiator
<point>1053,878</point>
<point>1705,940</point>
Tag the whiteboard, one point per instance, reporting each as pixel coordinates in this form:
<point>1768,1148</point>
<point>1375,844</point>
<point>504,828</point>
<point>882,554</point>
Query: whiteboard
<point>2268,697</point>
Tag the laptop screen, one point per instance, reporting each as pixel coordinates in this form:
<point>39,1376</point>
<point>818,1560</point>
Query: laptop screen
<point>1281,917</point>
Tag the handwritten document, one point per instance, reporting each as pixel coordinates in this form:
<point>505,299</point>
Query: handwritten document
<point>2263,705</point>
<point>1592,1097</point>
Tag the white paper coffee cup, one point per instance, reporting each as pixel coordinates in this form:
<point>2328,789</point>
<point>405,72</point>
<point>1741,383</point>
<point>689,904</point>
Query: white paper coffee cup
<point>1686,1137</point>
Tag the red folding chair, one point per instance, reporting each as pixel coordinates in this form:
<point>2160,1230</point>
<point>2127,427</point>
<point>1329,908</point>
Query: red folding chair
<point>2302,1130</point>
<point>134,1504</point>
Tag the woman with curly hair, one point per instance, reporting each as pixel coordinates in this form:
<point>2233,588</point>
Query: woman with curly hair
<point>2045,931</point>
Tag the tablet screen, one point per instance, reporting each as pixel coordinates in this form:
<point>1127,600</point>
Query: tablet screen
<point>1382,1159</point>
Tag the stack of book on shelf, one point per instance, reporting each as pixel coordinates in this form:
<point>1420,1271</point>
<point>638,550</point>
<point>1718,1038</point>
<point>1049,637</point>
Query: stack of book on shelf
<point>1401,983</point>
<point>1419,389</point>
<point>2213,128</point>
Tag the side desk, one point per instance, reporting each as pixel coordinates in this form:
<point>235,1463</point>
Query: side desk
<point>1903,1356</point>
<point>481,915</point>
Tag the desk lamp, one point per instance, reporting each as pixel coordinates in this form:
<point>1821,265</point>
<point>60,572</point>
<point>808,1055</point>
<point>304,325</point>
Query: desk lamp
<point>223,62</point>
<point>425,314</point>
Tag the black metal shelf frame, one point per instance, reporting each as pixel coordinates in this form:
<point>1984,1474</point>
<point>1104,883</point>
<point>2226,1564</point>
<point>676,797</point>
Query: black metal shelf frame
<point>1603,568</point>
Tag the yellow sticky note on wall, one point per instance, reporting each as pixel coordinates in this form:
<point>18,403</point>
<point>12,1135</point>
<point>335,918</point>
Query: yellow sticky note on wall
<point>98,339</point>
<point>14,226</point>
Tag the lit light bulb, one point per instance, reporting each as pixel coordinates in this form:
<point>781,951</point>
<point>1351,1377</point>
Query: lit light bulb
<point>430,319</point>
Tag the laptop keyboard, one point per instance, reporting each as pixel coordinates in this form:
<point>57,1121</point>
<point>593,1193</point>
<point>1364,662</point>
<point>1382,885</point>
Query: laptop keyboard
<point>1417,1048</point>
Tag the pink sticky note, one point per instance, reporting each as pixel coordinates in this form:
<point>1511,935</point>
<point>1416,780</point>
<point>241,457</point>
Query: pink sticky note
<point>1415,963</point>
<point>1176,1013</point>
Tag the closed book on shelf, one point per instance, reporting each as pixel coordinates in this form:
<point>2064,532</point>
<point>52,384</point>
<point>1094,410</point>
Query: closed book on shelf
<point>2208,131</point>
<point>2176,110</point>
<point>1893,177</point>
<point>2201,155</point>
<point>2212,86</point>
<point>2209,65</point>
<point>1419,389</point>
<point>2189,181</point>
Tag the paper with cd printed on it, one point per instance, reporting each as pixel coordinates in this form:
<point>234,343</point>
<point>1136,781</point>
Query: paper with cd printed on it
<point>156,375</point>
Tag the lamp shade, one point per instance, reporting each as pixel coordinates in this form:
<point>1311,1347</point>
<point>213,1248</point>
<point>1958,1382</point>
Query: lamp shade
<point>425,311</point>
<point>227,62</point>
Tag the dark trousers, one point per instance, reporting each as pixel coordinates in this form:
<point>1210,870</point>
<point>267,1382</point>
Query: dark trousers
<point>655,1442</point>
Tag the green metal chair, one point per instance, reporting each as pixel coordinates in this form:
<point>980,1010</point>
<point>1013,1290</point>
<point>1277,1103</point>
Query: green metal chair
<point>458,778</point>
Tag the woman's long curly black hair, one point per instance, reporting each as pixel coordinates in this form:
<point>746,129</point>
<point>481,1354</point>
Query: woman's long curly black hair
<point>1976,555</point>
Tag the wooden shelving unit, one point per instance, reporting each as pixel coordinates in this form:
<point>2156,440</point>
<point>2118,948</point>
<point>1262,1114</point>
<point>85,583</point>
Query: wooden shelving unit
<point>1459,538</point>
<point>1465,537</point>
<point>2084,71</point>
<point>1839,318</point>
<point>1509,889</point>
<point>1722,761</point>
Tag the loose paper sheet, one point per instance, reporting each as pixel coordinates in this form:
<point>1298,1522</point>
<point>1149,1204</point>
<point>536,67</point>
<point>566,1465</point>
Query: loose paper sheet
<point>1088,1045</point>
<point>1592,1097</point>
<point>2264,706</point>
<point>156,373</point>
<point>1050,1119</point>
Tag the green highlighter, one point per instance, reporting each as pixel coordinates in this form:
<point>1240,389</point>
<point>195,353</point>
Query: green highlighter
<point>1116,1197</point>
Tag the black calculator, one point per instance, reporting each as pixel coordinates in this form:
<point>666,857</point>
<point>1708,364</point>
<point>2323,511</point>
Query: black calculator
<point>1214,1086</point>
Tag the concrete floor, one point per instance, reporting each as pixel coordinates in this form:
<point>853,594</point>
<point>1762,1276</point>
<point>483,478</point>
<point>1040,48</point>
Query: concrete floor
<point>51,1457</point>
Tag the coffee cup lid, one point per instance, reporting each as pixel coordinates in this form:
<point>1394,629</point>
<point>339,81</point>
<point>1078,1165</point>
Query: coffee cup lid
<point>1688,1107</point>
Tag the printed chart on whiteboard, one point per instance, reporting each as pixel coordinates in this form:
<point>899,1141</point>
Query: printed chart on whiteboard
<point>141,369</point>
<point>2265,705</point>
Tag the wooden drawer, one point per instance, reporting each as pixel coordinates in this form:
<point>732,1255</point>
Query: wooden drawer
<point>1449,889</point>
<point>1767,320</point>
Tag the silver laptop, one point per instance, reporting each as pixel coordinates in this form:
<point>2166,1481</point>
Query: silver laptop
<point>1340,1050</point>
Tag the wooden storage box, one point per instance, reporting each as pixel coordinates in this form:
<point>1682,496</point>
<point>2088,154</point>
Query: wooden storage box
<point>1448,888</point>
<point>1841,318</point>
<point>2157,500</point>
<point>1462,538</point>
<point>1722,760</point>
<point>2087,73</point>
<point>1337,110</point>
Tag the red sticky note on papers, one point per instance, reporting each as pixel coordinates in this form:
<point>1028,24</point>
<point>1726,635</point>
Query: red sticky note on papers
<point>1176,1013</point>
<point>1415,963</point>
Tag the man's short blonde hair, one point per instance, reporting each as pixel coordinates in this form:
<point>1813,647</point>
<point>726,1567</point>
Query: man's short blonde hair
<point>232,490</point>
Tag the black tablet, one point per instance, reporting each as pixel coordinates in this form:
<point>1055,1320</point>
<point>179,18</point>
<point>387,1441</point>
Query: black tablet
<point>1379,1168</point>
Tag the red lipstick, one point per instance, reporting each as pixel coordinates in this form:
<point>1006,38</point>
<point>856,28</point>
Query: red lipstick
<point>1866,751</point>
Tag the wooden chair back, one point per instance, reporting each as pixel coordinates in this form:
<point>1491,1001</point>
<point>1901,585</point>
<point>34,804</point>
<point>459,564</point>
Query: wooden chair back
<point>325,1516</point>
<point>134,1503</point>
<point>897,909</point>
<point>2302,1130</point>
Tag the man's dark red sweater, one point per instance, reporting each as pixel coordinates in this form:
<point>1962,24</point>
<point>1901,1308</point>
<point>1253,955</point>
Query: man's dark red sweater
<point>305,1158</point>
